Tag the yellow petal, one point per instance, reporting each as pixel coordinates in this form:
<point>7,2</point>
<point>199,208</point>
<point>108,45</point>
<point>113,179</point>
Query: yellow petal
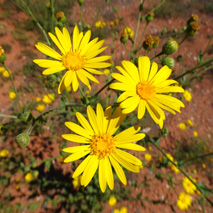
<point>94,71</point>
<point>125,95</point>
<point>92,119</point>
<point>98,59</point>
<point>130,104</point>
<point>83,121</point>
<point>48,51</point>
<point>69,78</point>
<point>144,67</point>
<point>75,138</point>
<point>141,109</point>
<point>82,166</point>
<point>62,40</point>
<point>67,39</point>
<point>83,78</point>
<point>131,146</point>
<point>90,170</point>
<point>61,86</point>
<point>130,138</point>
<point>53,70</point>
<point>75,38</point>
<point>88,75</point>
<point>76,156</point>
<point>57,43</point>
<point>76,149</point>
<point>87,47</point>
<point>109,174</point>
<point>119,171</point>
<point>102,175</point>
<point>153,71</point>
<point>47,63</point>
<point>75,83</point>
<point>100,117</point>
<point>85,40</point>
<point>78,129</point>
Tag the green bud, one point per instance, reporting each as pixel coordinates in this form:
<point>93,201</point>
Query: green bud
<point>175,31</point>
<point>63,19</point>
<point>149,18</point>
<point>146,46</point>
<point>23,139</point>
<point>124,39</point>
<point>184,28</point>
<point>80,2</point>
<point>170,47</point>
<point>164,31</point>
<point>26,116</point>
<point>2,58</point>
<point>170,62</point>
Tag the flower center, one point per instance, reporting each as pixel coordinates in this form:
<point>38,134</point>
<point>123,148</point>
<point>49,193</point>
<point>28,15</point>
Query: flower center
<point>102,145</point>
<point>145,90</point>
<point>73,61</point>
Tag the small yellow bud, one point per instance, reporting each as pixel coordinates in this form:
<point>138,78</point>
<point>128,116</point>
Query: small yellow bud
<point>112,201</point>
<point>28,177</point>
<point>12,95</point>
<point>195,134</point>
<point>40,107</point>
<point>182,126</point>
<point>189,122</point>
<point>4,153</point>
<point>187,95</point>
<point>148,157</point>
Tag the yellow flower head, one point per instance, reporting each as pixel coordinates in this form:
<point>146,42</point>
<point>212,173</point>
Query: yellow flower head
<point>77,58</point>
<point>4,153</point>
<point>112,201</point>
<point>106,71</point>
<point>189,122</point>
<point>195,134</point>
<point>194,26</point>
<point>100,24</point>
<point>38,99</point>
<point>6,74</point>
<point>143,88</point>
<point>174,168</point>
<point>40,107</point>
<point>148,157</point>
<point>128,32</point>
<point>195,17</point>
<point>112,23</point>
<point>156,40</point>
<point>184,201</point>
<point>149,40</point>
<point>169,156</point>
<point>101,148</point>
<point>2,69</point>
<point>28,177</point>
<point>77,182</point>
<point>59,15</point>
<point>189,186</point>
<point>204,165</point>
<point>116,21</point>
<point>187,95</point>
<point>182,126</point>
<point>116,211</point>
<point>1,50</point>
<point>49,98</point>
<point>12,95</point>
<point>123,210</point>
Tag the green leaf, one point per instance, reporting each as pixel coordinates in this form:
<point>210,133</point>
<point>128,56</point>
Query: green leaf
<point>33,206</point>
<point>47,164</point>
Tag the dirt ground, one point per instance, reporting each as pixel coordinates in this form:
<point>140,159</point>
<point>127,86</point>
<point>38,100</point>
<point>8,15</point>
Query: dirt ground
<point>200,110</point>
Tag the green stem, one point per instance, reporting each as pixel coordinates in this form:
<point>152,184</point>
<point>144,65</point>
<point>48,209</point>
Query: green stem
<point>200,156</point>
<point>14,88</point>
<point>183,40</point>
<point>8,116</point>
<point>52,18</point>
<point>207,47</point>
<point>83,95</point>
<point>136,33</point>
<point>126,49</point>
<point>184,173</point>
<point>194,68</point>
<point>141,40</point>
<point>81,19</point>
<point>202,204</point>
<point>96,94</point>
<point>159,54</point>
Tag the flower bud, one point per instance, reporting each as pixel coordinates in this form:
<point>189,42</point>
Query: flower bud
<point>2,55</point>
<point>80,2</point>
<point>149,17</point>
<point>170,47</point>
<point>193,28</point>
<point>23,139</point>
<point>156,40</point>
<point>164,31</point>
<point>170,62</point>
<point>124,38</point>
<point>148,43</point>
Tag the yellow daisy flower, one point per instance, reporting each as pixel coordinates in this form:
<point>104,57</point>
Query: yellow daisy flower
<point>184,201</point>
<point>102,148</point>
<point>143,88</point>
<point>78,58</point>
<point>189,186</point>
<point>148,157</point>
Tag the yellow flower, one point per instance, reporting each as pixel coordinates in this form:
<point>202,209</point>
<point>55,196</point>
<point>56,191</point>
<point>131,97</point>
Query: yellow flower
<point>129,32</point>
<point>143,88</point>
<point>195,134</point>
<point>28,177</point>
<point>116,211</point>
<point>106,71</point>
<point>204,165</point>
<point>187,95</point>
<point>59,15</point>
<point>4,153</point>
<point>78,58</point>
<point>76,182</point>
<point>2,69</point>
<point>189,186</point>
<point>184,201</point>
<point>6,74</point>
<point>189,122</point>
<point>102,148</point>
<point>195,17</point>
<point>169,156</point>
<point>112,23</point>
<point>123,210</point>
<point>182,126</point>
<point>17,187</point>
<point>49,98</point>
<point>148,157</point>
<point>116,21</point>
<point>1,50</point>
<point>100,24</point>
<point>174,168</point>
<point>12,95</point>
<point>41,107</point>
<point>149,40</point>
<point>112,201</point>
<point>38,99</point>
